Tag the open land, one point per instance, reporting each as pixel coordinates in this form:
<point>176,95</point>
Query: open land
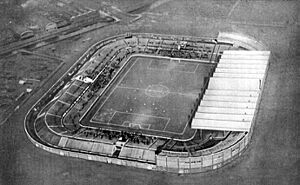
<point>273,154</point>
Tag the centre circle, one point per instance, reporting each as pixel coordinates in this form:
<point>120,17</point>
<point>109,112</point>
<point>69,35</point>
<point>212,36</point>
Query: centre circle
<point>157,91</point>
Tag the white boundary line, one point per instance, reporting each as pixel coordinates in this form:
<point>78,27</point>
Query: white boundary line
<point>134,55</point>
<point>137,55</point>
<point>141,89</point>
<point>51,108</point>
<point>112,90</point>
<point>169,58</point>
<point>164,130</point>
<point>47,113</point>
<point>104,90</point>
<point>112,117</point>
<point>153,69</point>
<point>70,94</point>
<point>55,126</point>
<point>122,125</point>
<point>196,68</point>
<point>84,55</point>
<point>87,55</point>
<point>137,89</point>
<point>145,115</point>
<point>41,145</point>
<point>233,8</point>
<point>68,124</point>
<point>126,73</point>
<point>63,102</point>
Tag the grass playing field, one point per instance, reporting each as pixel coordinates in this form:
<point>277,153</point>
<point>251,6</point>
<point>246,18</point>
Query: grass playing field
<point>151,95</point>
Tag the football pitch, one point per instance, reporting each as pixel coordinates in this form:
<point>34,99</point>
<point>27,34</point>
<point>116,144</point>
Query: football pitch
<point>154,96</point>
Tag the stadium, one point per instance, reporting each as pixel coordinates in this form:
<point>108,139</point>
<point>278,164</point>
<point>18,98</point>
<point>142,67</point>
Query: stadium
<point>170,103</point>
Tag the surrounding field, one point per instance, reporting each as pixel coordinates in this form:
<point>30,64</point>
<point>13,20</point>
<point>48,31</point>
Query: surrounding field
<point>19,73</point>
<point>273,154</point>
<point>152,94</point>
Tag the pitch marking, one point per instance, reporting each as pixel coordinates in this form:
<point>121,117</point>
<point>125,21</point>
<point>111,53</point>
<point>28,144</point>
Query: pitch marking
<point>63,102</point>
<point>114,88</point>
<point>53,115</point>
<point>233,7</point>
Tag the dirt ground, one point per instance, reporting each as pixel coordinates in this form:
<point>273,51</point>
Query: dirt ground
<point>274,152</point>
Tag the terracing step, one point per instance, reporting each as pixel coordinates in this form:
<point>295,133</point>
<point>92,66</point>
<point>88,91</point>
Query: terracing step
<point>226,110</point>
<point>230,100</point>
<point>241,66</point>
<point>231,92</point>
<point>239,75</point>
<point>246,52</point>
<point>243,61</point>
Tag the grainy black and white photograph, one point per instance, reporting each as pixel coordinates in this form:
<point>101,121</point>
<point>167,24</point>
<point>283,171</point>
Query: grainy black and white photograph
<point>149,92</point>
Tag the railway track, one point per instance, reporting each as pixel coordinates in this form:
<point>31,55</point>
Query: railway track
<point>53,36</point>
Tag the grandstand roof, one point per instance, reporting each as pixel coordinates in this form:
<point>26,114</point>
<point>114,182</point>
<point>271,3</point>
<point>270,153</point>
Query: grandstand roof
<point>231,98</point>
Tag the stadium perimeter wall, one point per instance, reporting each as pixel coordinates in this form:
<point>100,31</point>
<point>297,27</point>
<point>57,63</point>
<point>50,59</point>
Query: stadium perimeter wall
<point>173,162</point>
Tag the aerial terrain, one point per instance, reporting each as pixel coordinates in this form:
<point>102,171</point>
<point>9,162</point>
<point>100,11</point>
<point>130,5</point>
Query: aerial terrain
<point>27,72</point>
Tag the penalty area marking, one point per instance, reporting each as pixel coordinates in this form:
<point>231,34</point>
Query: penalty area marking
<point>137,114</point>
<point>196,68</point>
<point>117,86</point>
<point>150,116</point>
<point>134,63</point>
<point>179,63</point>
<point>111,117</point>
<point>133,125</point>
<point>114,89</point>
<point>144,115</point>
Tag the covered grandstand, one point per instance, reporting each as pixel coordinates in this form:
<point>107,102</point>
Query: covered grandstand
<point>218,126</point>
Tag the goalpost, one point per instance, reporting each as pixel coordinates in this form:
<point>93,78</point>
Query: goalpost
<point>139,125</point>
<point>176,60</point>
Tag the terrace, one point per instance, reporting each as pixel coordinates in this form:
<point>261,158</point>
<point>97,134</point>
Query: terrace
<point>131,98</point>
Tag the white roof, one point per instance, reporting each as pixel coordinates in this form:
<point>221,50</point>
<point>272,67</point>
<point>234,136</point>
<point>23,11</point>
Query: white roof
<point>230,101</point>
